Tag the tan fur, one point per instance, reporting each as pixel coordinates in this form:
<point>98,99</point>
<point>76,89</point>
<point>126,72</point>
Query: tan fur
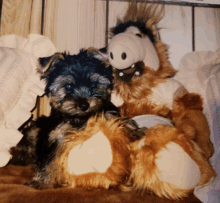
<point>144,173</point>
<point>114,176</point>
<point>71,105</point>
<point>141,107</point>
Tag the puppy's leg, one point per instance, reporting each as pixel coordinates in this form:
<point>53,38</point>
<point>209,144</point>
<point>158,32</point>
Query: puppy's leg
<point>135,132</point>
<point>49,145</point>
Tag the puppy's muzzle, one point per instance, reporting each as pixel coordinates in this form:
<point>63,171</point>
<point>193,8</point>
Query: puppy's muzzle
<point>83,104</point>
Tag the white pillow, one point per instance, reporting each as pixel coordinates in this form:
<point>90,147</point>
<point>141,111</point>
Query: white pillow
<point>19,84</point>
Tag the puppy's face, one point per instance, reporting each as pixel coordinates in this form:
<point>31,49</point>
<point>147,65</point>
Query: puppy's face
<point>76,84</point>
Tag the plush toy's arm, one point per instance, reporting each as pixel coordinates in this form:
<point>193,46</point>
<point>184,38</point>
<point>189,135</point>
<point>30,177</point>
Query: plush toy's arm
<point>188,116</point>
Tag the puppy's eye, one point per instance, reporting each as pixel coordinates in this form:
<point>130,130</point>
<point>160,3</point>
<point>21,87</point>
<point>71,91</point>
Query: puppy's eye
<point>139,35</point>
<point>68,87</point>
<point>97,96</point>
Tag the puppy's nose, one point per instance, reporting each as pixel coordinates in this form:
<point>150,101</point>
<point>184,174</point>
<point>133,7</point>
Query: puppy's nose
<point>83,104</point>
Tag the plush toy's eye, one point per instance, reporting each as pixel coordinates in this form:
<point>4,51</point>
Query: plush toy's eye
<point>139,35</point>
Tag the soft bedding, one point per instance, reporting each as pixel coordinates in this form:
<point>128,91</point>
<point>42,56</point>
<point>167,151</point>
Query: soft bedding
<point>13,190</point>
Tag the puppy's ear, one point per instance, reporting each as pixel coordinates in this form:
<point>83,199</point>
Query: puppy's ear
<point>100,54</point>
<point>47,64</point>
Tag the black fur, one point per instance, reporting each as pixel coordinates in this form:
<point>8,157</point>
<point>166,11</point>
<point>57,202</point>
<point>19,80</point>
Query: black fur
<point>140,24</point>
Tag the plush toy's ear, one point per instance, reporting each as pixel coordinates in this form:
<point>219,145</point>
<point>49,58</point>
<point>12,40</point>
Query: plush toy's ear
<point>47,64</point>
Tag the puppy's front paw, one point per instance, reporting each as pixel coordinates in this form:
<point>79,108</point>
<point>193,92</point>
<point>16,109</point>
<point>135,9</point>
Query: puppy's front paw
<point>135,131</point>
<point>35,184</point>
<point>41,181</point>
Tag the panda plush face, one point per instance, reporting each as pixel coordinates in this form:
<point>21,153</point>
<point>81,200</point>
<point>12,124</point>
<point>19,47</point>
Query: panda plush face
<point>132,48</point>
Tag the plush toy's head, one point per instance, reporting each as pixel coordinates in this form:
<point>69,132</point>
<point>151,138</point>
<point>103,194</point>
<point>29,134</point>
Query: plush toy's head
<point>132,44</point>
<point>136,44</point>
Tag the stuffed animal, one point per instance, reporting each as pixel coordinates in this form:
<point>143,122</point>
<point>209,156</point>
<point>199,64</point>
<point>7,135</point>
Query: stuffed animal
<point>143,76</point>
<point>103,155</point>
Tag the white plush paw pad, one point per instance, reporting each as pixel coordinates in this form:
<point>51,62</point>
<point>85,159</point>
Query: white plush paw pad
<point>177,167</point>
<point>94,155</point>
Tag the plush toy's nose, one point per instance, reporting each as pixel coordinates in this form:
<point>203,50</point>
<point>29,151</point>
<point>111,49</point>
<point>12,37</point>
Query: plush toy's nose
<point>120,56</point>
<point>124,50</point>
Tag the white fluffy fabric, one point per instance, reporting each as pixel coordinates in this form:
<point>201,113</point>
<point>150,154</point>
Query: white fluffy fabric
<point>19,85</point>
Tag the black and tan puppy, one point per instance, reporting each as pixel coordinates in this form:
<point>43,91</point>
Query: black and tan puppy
<point>78,87</point>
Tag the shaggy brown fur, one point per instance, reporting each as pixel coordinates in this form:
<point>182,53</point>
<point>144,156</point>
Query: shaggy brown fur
<point>144,172</point>
<point>137,95</point>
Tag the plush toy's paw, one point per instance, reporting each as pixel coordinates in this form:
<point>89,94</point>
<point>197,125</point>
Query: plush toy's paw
<point>168,163</point>
<point>99,156</point>
<point>208,148</point>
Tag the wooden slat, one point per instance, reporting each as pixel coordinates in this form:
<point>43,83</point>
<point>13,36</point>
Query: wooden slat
<point>15,17</point>
<point>35,18</point>
<point>81,24</point>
